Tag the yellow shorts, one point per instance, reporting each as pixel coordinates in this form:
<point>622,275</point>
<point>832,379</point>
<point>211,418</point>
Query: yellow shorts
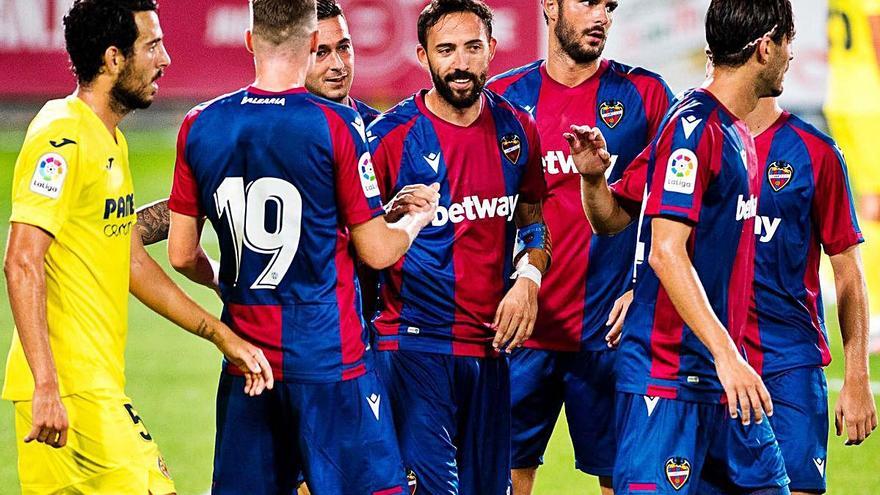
<point>856,134</point>
<point>108,451</point>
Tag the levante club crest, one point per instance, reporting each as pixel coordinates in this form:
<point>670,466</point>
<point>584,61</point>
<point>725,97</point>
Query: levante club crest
<point>511,146</point>
<point>611,113</point>
<point>779,174</point>
<point>678,471</point>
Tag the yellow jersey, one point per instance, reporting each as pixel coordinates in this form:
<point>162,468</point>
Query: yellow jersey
<point>854,56</point>
<point>72,180</point>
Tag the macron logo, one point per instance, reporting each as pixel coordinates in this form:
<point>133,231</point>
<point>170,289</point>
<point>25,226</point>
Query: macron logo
<point>820,465</point>
<point>651,402</point>
<point>433,161</point>
<point>690,124</point>
<point>374,401</point>
<point>476,208</point>
<point>263,101</point>
<point>746,209</point>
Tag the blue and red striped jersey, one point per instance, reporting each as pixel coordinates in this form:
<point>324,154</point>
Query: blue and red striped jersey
<point>282,177</point>
<point>703,171</point>
<point>368,114</point>
<point>805,204</point>
<point>590,272</point>
<point>442,295</point>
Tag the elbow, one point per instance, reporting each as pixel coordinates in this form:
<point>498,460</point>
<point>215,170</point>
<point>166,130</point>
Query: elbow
<point>182,262</point>
<point>379,260</point>
<point>659,259</point>
<point>15,268</point>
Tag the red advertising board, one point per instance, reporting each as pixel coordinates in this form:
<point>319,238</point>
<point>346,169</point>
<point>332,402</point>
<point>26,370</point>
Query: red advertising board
<point>206,41</point>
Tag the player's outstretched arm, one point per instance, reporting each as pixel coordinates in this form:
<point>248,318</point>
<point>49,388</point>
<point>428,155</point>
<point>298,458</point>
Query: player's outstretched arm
<point>380,243</point>
<point>185,251</point>
<point>855,406</point>
<point>153,221</point>
<point>670,261</point>
<point>26,286</point>
<point>152,286</point>
<point>518,310</point>
<point>590,155</point>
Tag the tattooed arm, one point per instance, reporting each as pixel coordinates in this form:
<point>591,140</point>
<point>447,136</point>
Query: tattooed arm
<point>158,292</point>
<point>153,221</point>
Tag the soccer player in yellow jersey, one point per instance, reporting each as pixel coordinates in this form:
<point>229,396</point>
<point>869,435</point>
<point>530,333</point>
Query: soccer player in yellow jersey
<point>853,111</point>
<point>72,260</point>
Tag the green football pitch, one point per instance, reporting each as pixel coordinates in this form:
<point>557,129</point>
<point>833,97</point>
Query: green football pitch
<point>172,375</point>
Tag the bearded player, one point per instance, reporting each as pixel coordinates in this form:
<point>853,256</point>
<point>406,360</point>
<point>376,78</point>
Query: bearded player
<point>72,261</point>
<point>567,360</point>
<point>448,305</point>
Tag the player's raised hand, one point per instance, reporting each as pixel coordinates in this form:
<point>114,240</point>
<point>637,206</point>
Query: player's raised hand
<point>250,360</point>
<point>855,409</point>
<point>588,150</point>
<point>616,317</point>
<point>744,388</point>
<point>49,418</point>
<point>414,198</point>
<point>515,316</point>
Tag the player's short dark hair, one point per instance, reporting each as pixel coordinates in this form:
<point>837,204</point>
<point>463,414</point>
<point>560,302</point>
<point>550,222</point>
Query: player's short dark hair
<point>277,21</point>
<point>733,26</point>
<point>93,26</point>
<point>438,9</point>
<point>328,9</point>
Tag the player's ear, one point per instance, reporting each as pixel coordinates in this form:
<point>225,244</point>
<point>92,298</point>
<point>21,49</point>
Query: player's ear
<point>113,60</point>
<point>551,9</point>
<point>492,43</point>
<point>422,55</point>
<point>764,49</point>
<point>249,40</point>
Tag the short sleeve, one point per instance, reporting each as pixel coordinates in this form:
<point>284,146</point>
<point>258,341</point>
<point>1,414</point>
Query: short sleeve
<point>48,179</point>
<point>833,207</point>
<point>533,187</point>
<point>684,163</point>
<point>357,191</point>
<point>630,188</point>
<point>185,189</point>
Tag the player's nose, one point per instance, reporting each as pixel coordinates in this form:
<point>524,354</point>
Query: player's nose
<point>164,57</point>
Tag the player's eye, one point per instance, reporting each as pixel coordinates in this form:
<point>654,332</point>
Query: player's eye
<point>611,7</point>
<point>321,53</point>
<point>344,48</point>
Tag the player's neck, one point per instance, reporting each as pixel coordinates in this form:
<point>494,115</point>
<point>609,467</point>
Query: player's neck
<point>279,74</point>
<point>764,115</point>
<point>564,70</point>
<point>734,89</point>
<point>99,100</point>
<point>454,115</point>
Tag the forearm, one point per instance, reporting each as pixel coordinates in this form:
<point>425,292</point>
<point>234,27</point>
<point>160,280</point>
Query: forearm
<point>26,286</point>
<point>601,207</point>
<point>152,286</point>
<point>203,270</point>
<point>153,221</point>
<point>852,314</point>
<point>527,214</point>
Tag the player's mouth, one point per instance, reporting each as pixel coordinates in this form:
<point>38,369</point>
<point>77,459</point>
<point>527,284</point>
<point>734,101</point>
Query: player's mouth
<point>462,84</point>
<point>595,35</point>
<point>336,80</point>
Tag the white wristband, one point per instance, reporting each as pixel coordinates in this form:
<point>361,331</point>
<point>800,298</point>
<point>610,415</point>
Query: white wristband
<point>524,269</point>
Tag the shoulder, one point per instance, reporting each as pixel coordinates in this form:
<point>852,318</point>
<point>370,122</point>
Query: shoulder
<point>820,144</point>
<point>637,74</point>
<point>504,80</point>
<point>397,118</point>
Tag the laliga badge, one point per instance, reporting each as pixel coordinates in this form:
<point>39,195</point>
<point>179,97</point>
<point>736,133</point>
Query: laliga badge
<point>511,146</point>
<point>611,113</point>
<point>678,470</point>
<point>779,174</point>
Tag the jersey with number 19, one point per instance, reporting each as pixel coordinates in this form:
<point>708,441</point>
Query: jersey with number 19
<point>281,198</point>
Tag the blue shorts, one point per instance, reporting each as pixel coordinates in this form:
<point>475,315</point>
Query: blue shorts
<point>453,420</point>
<point>339,435</point>
<point>545,380</point>
<point>666,444</point>
<point>800,422</point>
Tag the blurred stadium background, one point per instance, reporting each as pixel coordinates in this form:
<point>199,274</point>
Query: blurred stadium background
<point>172,376</point>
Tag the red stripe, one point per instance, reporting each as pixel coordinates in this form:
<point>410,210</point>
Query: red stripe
<point>666,338</point>
<point>184,189</point>
<point>743,326</point>
<point>350,328</point>
<point>388,321</point>
<point>355,372</point>
<point>662,392</point>
<point>389,491</point>
<point>261,325</point>
<point>500,85</point>
<point>811,285</point>
<point>388,156</point>
<point>643,487</point>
